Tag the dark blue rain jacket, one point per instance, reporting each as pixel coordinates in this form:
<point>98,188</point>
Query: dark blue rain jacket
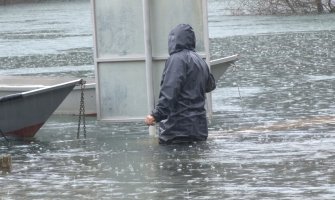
<point>186,79</point>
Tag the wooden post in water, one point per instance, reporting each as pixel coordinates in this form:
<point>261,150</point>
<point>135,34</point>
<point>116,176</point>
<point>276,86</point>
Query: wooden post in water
<point>5,163</point>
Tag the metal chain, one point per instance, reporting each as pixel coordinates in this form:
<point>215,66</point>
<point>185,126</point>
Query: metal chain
<point>82,109</point>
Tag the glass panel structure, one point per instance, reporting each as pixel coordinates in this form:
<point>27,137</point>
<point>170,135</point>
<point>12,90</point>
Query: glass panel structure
<point>130,49</point>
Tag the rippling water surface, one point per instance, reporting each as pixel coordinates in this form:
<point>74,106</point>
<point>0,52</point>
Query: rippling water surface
<point>272,136</point>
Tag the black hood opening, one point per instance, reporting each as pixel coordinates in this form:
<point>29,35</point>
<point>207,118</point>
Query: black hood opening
<point>181,37</point>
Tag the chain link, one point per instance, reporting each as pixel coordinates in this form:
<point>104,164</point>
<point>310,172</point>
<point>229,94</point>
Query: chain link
<point>82,109</point>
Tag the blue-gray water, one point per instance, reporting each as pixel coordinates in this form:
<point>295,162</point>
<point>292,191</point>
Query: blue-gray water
<point>272,136</point>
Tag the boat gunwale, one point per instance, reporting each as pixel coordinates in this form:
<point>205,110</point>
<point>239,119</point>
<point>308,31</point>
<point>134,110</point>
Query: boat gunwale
<point>50,88</point>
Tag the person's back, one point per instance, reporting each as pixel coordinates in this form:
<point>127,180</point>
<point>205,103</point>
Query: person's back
<point>185,81</point>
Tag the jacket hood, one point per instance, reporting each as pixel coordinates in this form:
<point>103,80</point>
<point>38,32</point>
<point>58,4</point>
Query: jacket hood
<point>181,37</point>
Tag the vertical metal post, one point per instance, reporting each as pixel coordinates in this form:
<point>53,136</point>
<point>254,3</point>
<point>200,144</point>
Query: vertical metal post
<point>148,60</point>
<point>95,52</point>
<point>206,43</point>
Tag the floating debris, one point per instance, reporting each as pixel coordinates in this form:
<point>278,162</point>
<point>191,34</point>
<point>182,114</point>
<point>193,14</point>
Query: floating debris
<point>5,163</point>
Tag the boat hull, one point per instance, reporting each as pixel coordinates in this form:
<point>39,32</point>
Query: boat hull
<point>23,114</point>
<point>26,132</point>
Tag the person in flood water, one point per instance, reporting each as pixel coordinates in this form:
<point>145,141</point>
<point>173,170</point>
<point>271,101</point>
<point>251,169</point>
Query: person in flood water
<point>186,79</point>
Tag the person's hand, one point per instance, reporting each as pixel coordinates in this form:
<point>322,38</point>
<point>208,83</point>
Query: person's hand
<point>150,120</point>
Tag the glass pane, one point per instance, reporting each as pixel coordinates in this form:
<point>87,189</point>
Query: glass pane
<point>119,26</point>
<point>122,90</point>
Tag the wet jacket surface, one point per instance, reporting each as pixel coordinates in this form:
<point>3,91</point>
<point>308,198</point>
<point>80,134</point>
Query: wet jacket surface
<point>185,81</point>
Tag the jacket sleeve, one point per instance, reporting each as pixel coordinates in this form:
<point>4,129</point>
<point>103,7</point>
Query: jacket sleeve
<point>211,85</point>
<point>173,77</point>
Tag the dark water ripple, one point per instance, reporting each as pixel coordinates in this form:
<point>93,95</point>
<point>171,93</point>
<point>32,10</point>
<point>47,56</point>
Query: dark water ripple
<point>120,161</point>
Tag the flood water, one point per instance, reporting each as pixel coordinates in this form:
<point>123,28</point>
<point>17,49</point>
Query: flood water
<point>272,136</point>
